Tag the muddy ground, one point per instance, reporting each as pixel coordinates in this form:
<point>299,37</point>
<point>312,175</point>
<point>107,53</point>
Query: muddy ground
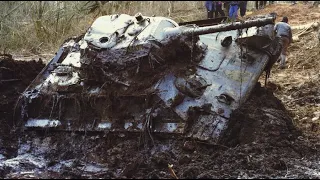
<point>15,76</point>
<point>262,142</point>
<point>274,135</point>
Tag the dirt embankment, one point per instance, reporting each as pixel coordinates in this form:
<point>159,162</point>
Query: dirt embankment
<point>15,76</point>
<point>298,86</point>
<point>297,14</point>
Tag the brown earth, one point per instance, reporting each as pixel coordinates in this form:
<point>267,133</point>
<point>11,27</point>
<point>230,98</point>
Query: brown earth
<point>271,136</point>
<point>15,76</point>
<point>297,86</point>
<point>297,14</point>
<point>261,142</point>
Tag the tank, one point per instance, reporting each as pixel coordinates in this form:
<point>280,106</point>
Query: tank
<point>139,74</point>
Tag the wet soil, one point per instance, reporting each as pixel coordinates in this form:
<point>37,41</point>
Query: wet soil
<point>15,76</point>
<point>261,142</point>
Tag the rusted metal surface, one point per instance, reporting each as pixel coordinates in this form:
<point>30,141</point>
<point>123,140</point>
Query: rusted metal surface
<point>127,74</point>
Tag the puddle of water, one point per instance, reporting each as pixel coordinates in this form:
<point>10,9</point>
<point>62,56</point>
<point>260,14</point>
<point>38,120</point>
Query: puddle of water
<point>31,162</point>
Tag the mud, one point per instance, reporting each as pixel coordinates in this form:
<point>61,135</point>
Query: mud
<point>261,142</point>
<point>15,76</point>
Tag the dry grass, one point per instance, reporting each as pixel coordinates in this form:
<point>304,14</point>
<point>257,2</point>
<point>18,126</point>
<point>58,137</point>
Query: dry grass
<point>38,27</point>
<point>41,26</point>
<point>297,14</point>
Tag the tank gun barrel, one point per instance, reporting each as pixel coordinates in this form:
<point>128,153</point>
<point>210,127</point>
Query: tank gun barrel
<point>182,30</point>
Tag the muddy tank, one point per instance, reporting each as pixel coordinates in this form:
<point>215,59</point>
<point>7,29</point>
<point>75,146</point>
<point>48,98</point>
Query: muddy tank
<point>150,75</point>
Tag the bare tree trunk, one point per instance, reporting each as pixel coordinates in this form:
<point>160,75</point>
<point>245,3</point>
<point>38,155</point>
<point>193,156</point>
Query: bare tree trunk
<point>57,20</point>
<point>40,10</point>
<point>100,7</point>
<point>172,6</point>
<point>41,31</point>
<point>170,9</point>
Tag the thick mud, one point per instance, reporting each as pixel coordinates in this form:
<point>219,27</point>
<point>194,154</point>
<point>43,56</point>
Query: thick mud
<point>15,76</point>
<point>261,142</point>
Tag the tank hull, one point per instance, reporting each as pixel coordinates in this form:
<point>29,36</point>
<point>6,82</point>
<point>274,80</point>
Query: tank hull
<point>187,85</point>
